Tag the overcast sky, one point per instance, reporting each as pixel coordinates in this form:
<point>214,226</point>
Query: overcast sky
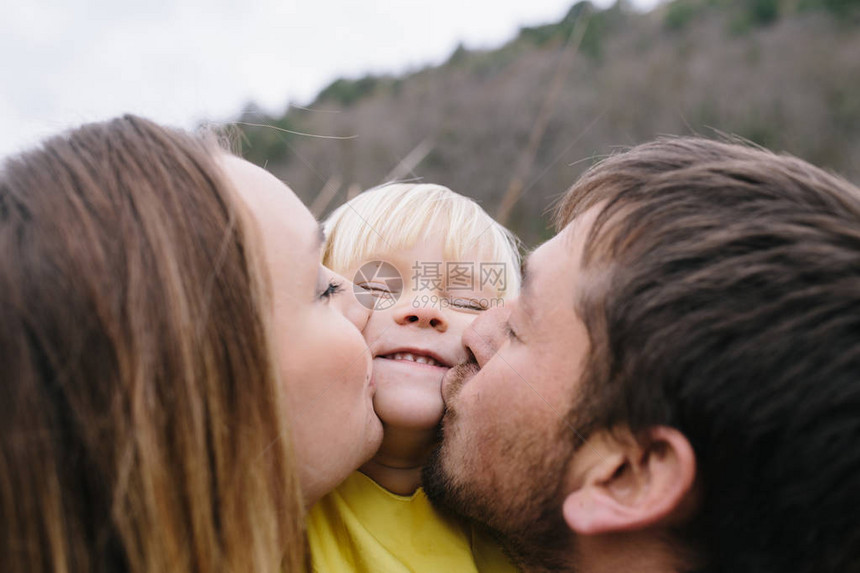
<point>64,62</point>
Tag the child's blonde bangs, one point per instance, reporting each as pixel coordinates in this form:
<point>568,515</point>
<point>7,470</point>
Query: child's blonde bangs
<point>395,216</point>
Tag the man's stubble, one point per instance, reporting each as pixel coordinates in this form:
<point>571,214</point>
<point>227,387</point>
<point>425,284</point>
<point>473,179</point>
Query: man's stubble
<point>520,499</point>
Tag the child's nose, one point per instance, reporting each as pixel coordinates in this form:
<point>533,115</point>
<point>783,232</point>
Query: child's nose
<point>421,315</point>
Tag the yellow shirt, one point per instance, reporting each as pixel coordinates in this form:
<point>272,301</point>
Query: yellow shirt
<point>362,527</point>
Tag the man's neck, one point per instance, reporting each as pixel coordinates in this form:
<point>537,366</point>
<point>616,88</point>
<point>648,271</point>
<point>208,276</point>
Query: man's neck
<point>618,553</point>
<point>538,559</point>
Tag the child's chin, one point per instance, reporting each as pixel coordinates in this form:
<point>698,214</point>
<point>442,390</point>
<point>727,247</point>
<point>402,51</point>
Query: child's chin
<point>415,419</point>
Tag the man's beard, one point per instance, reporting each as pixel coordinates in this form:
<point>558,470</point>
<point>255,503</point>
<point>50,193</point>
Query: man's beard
<point>523,511</point>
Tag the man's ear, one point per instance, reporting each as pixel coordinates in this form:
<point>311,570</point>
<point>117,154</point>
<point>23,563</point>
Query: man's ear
<point>631,484</point>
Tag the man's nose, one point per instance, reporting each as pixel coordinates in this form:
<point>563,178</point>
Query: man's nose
<point>486,334</point>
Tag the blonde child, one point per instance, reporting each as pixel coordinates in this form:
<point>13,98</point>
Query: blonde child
<point>428,261</point>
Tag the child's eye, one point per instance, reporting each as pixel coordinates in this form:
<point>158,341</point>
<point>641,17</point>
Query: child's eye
<point>509,331</point>
<point>331,289</point>
<point>375,289</point>
<point>467,304</point>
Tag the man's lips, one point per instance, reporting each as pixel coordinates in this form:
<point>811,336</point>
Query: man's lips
<point>456,377</point>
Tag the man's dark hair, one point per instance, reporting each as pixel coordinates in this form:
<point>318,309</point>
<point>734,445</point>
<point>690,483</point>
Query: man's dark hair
<point>724,301</point>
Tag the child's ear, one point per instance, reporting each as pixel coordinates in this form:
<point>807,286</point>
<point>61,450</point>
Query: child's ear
<point>631,484</point>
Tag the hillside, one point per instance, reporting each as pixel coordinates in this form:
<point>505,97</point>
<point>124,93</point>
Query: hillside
<point>513,127</point>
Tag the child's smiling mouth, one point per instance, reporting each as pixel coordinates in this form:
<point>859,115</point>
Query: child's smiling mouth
<point>408,356</point>
<point>416,356</point>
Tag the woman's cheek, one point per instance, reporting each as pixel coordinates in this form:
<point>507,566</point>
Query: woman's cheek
<point>355,353</point>
<point>338,351</point>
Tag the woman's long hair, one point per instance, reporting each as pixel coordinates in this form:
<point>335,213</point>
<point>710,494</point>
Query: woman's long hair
<point>141,419</point>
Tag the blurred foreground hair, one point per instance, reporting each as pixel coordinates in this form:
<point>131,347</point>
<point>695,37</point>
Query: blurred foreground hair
<point>141,424</point>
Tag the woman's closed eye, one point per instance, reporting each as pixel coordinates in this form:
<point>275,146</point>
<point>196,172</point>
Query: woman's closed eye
<point>329,290</point>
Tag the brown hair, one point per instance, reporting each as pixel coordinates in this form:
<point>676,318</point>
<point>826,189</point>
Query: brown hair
<point>141,424</point>
<point>724,300</point>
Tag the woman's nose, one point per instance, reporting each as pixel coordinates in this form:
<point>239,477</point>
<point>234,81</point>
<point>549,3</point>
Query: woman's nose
<point>347,303</point>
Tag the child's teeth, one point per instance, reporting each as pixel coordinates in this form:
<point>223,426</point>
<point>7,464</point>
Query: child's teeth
<point>412,358</point>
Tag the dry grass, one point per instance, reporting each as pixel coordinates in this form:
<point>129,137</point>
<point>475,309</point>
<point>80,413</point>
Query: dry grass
<point>792,86</point>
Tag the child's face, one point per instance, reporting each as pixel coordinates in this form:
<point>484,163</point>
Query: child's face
<point>415,341</point>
